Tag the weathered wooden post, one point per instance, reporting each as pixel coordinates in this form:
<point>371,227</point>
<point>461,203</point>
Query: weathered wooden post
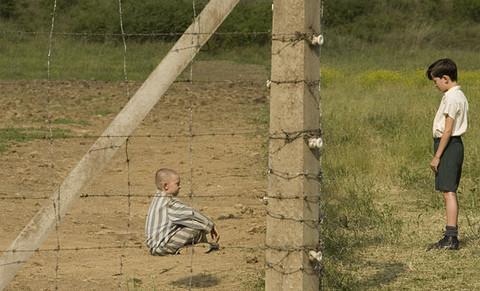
<point>294,184</point>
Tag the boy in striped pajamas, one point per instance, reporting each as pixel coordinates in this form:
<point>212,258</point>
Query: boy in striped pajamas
<point>170,224</point>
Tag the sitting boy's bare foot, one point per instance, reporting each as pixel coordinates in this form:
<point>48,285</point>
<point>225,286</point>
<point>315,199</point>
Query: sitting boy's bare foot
<point>213,246</point>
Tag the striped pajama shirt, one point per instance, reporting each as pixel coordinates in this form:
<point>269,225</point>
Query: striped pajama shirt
<point>171,225</point>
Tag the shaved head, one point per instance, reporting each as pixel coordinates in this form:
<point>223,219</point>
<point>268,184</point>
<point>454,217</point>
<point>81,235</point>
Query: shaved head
<point>164,175</point>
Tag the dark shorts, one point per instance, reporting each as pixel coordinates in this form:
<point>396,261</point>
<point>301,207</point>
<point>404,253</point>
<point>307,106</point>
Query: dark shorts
<point>449,172</point>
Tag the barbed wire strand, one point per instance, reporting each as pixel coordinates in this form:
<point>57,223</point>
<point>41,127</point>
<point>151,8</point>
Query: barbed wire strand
<point>110,195</point>
<point>124,41</point>
<point>190,130</point>
<point>151,34</point>
<point>127,158</point>
<point>120,270</point>
<point>139,245</point>
<point>129,187</point>
<point>186,135</point>
<point>180,80</point>
<point>55,200</point>
<point>260,196</point>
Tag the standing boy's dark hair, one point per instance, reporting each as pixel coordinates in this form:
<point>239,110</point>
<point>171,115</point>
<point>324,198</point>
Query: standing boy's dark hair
<point>442,67</point>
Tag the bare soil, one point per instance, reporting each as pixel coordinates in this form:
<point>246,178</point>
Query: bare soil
<point>226,174</point>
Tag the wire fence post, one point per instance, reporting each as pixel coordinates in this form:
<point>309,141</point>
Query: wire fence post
<point>294,167</point>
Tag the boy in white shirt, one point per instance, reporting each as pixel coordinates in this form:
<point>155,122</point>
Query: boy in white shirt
<point>449,125</point>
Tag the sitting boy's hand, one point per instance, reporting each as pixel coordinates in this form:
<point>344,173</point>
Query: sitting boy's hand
<point>214,234</point>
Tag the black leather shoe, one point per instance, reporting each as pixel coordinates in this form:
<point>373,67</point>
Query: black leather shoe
<point>446,243</point>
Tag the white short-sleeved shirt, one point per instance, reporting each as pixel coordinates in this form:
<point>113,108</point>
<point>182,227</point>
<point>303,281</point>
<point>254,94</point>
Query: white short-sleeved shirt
<point>454,104</point>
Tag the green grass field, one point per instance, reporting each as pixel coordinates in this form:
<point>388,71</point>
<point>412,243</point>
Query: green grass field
<point>378,200</point>
<point>24,56</point>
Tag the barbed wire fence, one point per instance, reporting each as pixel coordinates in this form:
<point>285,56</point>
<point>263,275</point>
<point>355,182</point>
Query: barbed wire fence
<point>189,137</point>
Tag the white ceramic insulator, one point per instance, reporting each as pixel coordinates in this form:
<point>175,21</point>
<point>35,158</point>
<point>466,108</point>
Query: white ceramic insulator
<point>265,200</point>
<point>314,256</point>
<point>315,143</point>
<point>318,39</point>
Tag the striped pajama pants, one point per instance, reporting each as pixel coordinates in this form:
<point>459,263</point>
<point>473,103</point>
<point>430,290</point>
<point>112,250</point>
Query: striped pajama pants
<point>184,236</point>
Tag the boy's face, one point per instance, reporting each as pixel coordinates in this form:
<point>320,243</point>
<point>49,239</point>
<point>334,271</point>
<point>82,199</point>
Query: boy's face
<point>172,187</point>
<point>443,84</point>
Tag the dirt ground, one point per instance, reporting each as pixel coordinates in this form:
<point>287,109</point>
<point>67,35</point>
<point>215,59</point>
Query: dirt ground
<point>228,181</point>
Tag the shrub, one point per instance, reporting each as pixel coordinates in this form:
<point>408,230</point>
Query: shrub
<point>468,9</point>
<point>7,8</point>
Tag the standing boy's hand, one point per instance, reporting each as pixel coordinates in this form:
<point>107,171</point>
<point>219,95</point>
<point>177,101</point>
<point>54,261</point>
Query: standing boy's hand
<point>434,164</point>
<point>447,133</point>
<point>214,234</point>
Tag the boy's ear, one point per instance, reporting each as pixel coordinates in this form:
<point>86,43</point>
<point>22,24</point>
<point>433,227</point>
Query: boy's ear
<point>446,78</point>
<point>165,186</point>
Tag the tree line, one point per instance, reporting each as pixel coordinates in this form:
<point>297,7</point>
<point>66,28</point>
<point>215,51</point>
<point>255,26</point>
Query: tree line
<point>367,20</point>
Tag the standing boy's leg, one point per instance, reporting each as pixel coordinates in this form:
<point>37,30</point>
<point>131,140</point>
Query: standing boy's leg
<point>450,239</point>
<point>451,207</point>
